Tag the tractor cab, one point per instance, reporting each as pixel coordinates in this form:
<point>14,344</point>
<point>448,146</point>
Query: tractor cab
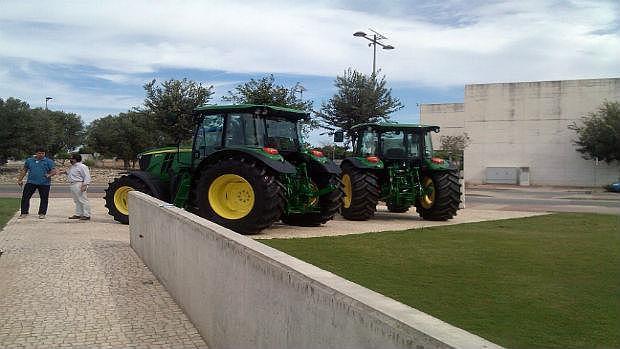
<point>268,129</point>
<point>393,142</point>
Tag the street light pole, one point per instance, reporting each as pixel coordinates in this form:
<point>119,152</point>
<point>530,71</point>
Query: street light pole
<point>374,54</point>
<point>47,99</point>
<point>375,40</point>
<point>300,88</point>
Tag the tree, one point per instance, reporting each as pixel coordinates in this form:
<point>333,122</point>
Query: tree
<point>359,99</point>
<point>65,132</point>
<point>455,145</point>
<point>15,118</point>
<point>122,136</point>
<point>334,151</point>
<point>174,97</point>
<point>266,91</point>
<point>453,148</point>
<point>598,134</point>
<point>24,129</point>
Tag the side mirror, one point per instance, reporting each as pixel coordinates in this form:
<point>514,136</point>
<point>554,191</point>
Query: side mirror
<point>338,137</point>
<point>170,119</point>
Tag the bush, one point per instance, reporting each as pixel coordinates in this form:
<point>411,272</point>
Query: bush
<point>89,162</point>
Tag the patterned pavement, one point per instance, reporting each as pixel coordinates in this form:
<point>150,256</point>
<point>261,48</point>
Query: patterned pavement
<point>72,284</point>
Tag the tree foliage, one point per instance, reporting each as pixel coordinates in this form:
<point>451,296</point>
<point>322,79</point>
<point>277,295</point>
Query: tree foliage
<point>24,129</point>
<point>360,98</point>
<point>178,98</point>
<point>598,134</point>
<point>335,151</point>
<point>455,144</point>
<point>266,91</point>
<point>453,148</point>
<point>121,136</point>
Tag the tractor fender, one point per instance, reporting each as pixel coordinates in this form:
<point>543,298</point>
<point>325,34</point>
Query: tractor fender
<point>280,166</point>
<point>357,163</point>
<point>155,185</point>
<point>322,165</point>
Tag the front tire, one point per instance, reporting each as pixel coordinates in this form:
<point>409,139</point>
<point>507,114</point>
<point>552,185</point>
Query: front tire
<point>361,193</point>
<point>444,196</point>
<point>116,196</point>
<point>241,195</point>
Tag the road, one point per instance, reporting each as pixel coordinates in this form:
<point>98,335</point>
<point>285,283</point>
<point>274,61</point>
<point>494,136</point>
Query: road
<point>543,199</point>
<point>57,191</point>
<point>512,199</point>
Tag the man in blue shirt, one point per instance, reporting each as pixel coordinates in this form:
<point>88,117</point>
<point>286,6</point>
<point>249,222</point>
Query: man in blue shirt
<point>40,171</point>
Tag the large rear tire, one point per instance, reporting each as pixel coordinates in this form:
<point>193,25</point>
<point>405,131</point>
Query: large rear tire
<point>116,196</point>
<point>361,193</point>
<point>240,194</point>
<point>444,198</point>
<point>329,205</point>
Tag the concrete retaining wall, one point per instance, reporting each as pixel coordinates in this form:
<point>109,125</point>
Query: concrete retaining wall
<point>240,293</point>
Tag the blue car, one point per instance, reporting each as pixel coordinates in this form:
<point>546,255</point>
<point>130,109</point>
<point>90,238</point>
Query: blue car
<point>615,187</point>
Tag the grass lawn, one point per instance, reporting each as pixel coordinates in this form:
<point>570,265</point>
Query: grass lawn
<point>8,207</point>
<point>539,282</point>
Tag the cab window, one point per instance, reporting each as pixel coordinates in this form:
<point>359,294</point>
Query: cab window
<point>245,129</point>
<point>209,135</point>
<point>368,143</point>
<point>393,144</point>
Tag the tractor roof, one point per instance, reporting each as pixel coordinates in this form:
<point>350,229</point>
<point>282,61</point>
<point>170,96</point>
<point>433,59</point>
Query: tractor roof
<point>270,110</point>
<point>390,126</point>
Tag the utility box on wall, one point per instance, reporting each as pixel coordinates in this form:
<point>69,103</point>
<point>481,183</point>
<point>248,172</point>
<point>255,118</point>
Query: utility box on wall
<point>502,175</point>
<point>508,175</point>
<point>524,176</point>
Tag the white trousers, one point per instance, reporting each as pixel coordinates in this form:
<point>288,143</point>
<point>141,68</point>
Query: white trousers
<point>82,206</point>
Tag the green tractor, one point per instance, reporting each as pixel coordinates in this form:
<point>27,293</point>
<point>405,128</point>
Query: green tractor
<point>247,169</point>
<point>394,163</point>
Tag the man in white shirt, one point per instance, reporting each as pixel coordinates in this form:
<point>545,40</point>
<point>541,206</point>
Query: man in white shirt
<point>79,178</point>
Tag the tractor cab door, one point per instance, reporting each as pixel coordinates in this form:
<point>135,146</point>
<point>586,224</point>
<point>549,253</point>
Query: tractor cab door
<point>367,143</point>
<point>208,136</point>
<point>245,129</point>
<point>428,145</point>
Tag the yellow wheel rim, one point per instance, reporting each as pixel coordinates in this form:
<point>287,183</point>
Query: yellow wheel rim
<point>348,192</point>
<point>428,200</point>
<point>120,199</point>
<point>314,199</point>
<point>231,196</point>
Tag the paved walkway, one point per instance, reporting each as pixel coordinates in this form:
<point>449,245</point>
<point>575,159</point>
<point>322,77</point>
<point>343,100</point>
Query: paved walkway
<point>71,284</point>
<point>385,221</point>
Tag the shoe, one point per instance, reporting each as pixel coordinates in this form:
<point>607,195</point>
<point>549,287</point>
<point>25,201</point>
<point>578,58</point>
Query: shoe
<point>75,217</point>
<point>84,218</point>
<point>22,216</point>
<point>41,216</point>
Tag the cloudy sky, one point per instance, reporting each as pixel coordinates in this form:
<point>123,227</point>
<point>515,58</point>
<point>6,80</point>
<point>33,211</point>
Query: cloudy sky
<point>93,57</point>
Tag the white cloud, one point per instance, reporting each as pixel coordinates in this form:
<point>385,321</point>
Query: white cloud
<point>439,44</point>
<point>90,103</point>
<point>502,41</point>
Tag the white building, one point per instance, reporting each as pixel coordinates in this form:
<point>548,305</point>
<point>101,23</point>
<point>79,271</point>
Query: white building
<point>519,131</point>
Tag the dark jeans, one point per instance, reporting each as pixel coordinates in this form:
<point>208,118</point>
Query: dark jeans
<point>44,194</point>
